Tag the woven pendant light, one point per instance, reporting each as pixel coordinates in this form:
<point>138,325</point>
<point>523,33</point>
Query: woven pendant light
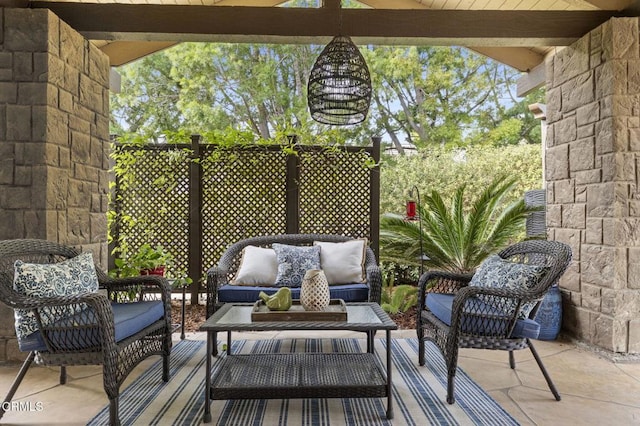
<point>339,89</point>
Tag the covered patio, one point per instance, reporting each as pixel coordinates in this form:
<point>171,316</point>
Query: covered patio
<point>56,62</point>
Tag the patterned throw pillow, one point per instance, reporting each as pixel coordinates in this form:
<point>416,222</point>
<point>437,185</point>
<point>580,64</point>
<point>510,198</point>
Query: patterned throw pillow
<point>496,272</point>
<point>72,276</point>
<point>294,262</point>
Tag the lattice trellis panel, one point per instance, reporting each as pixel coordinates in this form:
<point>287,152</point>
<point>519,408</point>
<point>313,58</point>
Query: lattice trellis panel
<point>156,198</point>
<point>243,195</point>
<point>335,193</point>
<point>243,192</point>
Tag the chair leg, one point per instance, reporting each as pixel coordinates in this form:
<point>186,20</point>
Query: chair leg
<point>165,367</point>
<point>552,387</point>
<point>451,359</point>
<point>63,375</point>
<point>167,344</point>
<point>450,388</point>
<point>16,382</point>
<point>420,332</point>
<point>512,360</point>
<point>114,416</point>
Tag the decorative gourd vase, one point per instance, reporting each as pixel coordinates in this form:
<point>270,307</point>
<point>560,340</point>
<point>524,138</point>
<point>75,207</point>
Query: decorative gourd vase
<point>314,293</point>
<point>549,314</point>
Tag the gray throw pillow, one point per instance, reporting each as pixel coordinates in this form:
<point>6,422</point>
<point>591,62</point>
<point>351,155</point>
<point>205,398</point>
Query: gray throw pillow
<point>294,262</point>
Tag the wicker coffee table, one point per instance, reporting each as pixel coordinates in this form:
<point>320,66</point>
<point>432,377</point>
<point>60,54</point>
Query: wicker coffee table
<point>298,375</point>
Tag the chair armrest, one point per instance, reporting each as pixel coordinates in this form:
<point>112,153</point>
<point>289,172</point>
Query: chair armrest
<point>441,282</point>
<point>100,306</point>
<point>136,285</point>
<point>51,313</point>
<point>374,280</point>
<point>495,296</point>
<point>216,278</point>
<point>470,310</point>
<point>373,276</point>
<point>16,300</point>
<point>132,289</point>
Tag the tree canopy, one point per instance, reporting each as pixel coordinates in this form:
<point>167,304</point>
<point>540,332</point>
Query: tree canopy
<point>424,96</point>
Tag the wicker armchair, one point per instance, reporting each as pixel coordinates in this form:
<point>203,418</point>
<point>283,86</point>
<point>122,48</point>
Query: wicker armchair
<point>487,318</point>
<point>220,275</point>
<point>100,334</point>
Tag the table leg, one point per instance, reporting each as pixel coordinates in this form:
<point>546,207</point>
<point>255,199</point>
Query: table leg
<point>207,381</point>
<point>389,387</point>
<point>182,314</point>
<point>228,342</point>
<point>370,341</point>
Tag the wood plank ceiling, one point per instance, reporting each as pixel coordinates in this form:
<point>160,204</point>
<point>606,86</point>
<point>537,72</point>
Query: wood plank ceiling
<point>518,33</point>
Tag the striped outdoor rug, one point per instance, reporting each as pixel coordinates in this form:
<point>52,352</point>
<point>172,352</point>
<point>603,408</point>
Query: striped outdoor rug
<point>419,392</point>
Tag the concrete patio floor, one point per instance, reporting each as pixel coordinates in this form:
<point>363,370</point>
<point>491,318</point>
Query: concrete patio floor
<point>594,390</point>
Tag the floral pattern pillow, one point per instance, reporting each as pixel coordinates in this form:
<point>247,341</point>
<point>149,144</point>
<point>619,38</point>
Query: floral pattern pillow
<point>72,276</point>
<point>496,272</point>
<point>294,262</point>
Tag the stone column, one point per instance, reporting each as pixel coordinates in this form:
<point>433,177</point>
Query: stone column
<point>54,138</point>
<point>593,110</point>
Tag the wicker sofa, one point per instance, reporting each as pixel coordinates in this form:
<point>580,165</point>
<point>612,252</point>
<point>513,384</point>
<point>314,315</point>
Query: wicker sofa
<point>220,291</point>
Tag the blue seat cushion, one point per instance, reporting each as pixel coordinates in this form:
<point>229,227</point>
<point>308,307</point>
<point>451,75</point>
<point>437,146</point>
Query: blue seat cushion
<point>129,318</point>
<point>441,304</point>
<point>358,292</point>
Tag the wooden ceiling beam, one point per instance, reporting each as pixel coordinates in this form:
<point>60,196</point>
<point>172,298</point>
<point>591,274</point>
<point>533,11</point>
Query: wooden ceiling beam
<point>298,25</point>
<point>123,52</point>
<point>611,4</point>
<point>535,78</point>
<point>395,4</point>
<point>261,3</point>
<point>520,58</point>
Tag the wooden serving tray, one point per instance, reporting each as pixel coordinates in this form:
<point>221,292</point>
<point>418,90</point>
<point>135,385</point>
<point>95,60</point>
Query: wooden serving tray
<point>336,311</point>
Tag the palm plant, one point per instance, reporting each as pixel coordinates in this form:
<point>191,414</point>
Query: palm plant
<point>455,238</point>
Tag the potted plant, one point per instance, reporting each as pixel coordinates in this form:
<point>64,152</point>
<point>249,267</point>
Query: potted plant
<point>150,260</point>
<point>147,260</point>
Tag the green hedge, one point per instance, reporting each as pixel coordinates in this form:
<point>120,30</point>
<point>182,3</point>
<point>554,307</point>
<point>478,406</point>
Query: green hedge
<point>445,170</point>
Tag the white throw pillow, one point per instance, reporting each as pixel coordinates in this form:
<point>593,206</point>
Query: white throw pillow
<point>343,263</point>
<point>259,266</point>
<point>70,277</point>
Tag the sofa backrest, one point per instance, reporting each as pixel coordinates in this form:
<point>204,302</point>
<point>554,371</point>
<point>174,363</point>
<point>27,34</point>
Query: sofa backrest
<point>230,259</point>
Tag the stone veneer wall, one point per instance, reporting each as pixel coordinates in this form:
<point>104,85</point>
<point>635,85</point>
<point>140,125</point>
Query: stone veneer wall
<point>54,139</point>
<point>593,112</point>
